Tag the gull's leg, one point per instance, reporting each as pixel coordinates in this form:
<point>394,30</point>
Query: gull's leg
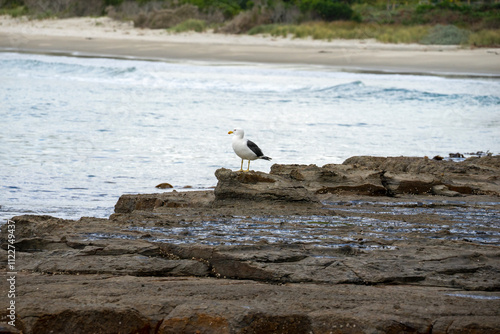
<point>241,168</point>
<point>248,166</point>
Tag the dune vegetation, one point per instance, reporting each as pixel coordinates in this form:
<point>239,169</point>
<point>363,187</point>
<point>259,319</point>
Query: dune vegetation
<point>448,22</point>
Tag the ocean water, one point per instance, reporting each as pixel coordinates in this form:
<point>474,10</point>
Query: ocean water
<point>79,132</point>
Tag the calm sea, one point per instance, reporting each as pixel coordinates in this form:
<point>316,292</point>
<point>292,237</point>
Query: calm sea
<point>79,132</point>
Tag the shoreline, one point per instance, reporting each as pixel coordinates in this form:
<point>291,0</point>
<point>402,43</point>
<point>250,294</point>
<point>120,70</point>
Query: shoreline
<point>103,37</point>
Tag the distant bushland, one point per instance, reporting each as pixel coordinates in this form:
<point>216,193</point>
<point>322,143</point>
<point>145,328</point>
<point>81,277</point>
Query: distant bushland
<point>327,10</point>
<point>390,21</point>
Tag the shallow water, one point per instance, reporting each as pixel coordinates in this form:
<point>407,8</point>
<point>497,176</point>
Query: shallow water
<point>480,297</point>
<point>338,228</point>
<point>79,132</point>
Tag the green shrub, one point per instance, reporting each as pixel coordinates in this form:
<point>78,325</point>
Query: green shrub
<point>166,18</point>
<point>229,8</point>
<point>328,10</point>
<point>113,2</point>
<point>190,25</point>
<point>14,11</point>
<point>332,11</point>
<point>446,35</point>
<point>491,22</point>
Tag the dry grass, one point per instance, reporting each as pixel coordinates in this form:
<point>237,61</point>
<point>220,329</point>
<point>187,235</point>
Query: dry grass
<point>381,32</point>
<point>485,38</point>
<point>346,30</point>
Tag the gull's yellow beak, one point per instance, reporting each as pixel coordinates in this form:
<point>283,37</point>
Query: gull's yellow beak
<point>230,132</point>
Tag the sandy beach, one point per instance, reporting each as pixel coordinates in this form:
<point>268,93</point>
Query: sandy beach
<point>106,37</point>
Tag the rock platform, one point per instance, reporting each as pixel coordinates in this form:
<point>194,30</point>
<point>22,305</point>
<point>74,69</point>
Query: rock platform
<point>374,245</point>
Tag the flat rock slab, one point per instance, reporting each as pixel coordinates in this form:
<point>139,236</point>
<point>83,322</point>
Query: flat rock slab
<point>106,303</point>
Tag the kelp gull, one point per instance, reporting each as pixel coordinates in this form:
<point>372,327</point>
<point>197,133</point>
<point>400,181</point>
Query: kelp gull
<point>246,149</point>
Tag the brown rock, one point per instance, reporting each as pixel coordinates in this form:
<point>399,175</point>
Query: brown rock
<point>108,304</point>
<point>407,183</point>
<point>279,324</point>
<point>442,190</point>
<point>154,202</point>
<point>92,320</point>
<point>164,186</point>
<point>258,186</point>
<point>191,319</point>
<point>420,175</point>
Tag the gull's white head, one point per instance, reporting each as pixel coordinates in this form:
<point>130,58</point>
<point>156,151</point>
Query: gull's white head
<point>237,132</point>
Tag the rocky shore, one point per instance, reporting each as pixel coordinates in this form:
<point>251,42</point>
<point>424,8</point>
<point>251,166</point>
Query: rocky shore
<point>373,245</point>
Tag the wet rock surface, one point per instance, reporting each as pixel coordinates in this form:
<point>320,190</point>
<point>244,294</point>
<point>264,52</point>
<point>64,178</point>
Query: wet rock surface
<point>343,249</point>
